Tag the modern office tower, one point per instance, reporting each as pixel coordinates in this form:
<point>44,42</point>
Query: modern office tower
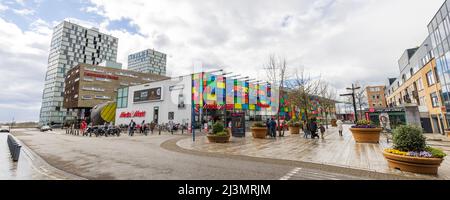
<point>71,45</point>
<point>148,61</point>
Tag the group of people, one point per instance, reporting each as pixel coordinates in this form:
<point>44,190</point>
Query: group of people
<point>271,125</point>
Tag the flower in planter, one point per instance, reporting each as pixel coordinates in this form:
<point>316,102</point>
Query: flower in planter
<point>259,125</point>
<point>409,141</point>
<point>364,124</point>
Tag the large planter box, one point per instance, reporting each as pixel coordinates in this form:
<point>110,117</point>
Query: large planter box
<point>294,130</point>
<point>413,164</point>
<point>218,139</point>
<point>366,135</point>
<point>259,132</point>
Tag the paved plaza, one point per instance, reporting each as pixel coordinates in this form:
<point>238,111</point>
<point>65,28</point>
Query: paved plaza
<point>333,150</point>
<point>56,155</point>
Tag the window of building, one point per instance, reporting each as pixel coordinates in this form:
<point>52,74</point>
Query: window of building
<point>430,78</point>
<point>437,77</point>
<point>434,99</point>
<point>171,115</point>
<point>122,97</point>
<point>422,101</point>
<point>420,84</point>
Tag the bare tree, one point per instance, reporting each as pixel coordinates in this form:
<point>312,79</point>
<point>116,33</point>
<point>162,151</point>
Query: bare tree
<point>361,99</point>
<point>328,96</point>
<point>276,68</point>
<point>301,88</point>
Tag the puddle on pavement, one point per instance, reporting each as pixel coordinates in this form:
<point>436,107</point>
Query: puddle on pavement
<point>21,170</point>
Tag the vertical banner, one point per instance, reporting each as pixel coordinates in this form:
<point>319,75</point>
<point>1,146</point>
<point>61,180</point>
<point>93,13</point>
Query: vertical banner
<point>210,84</point>
<point>229,100</point>
<point>245,90</point>
<point>252,96</point>
<point>197,92</point>
<point>238,94</point>
<point>220,90</point>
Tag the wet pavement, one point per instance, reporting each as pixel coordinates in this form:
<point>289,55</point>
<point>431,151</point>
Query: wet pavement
<point>28,167</point>
<point>333,150</point>
<point>10,170</point>
<point>157,157</point>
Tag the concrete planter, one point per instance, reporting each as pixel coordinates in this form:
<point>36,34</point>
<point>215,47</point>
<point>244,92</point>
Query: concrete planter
<point>259,132</point>
<point>366,135</point>
<point>413,164</point>
<point>295,130</point>
<point>218,139</point>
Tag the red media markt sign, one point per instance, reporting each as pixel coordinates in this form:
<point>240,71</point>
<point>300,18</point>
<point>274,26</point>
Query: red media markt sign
<point>132,114</point>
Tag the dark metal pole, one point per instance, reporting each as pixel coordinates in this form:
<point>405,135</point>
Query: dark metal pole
<point>354,103</point>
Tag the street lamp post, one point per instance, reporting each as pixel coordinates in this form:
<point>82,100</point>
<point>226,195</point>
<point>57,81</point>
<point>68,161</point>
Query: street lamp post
<point>353,89</point>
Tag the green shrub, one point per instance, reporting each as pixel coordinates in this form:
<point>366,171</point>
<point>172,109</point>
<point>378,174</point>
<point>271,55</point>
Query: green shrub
<point>294,123</point>
<point>259,125</point>
<point>436,153</point>
<point>363,122</point>
<point>408,138</point>
<point>221,134</point>
<point>218,128</point>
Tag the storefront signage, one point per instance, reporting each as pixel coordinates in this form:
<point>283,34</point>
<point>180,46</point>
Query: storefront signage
<point>101,75</point>
<point>132,114</point>
<point>152,94</point>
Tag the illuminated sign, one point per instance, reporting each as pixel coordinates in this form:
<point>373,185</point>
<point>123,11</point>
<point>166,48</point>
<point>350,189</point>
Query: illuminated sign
<point>101,75</point>
<point>132,114</point>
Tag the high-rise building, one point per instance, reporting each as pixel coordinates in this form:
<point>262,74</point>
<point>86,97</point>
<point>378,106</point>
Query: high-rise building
<point>71,45</point>
<point>148,61</point>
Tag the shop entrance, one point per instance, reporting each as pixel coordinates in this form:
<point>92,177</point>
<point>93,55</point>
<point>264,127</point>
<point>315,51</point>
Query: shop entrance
<point>156,114</point>
<point>238,124</point>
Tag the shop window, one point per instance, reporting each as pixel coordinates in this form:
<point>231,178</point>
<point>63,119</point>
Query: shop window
<point>122,97</point>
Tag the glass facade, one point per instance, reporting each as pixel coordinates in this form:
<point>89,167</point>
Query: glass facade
<point>148,61</point>
<point>71,44</point>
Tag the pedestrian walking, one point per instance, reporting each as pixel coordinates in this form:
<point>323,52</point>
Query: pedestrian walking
<point>322,131</point>
<point>142,126</point>
<point>313,128</point>
<point>273,128</point>
<point>269,133</point>
<point>340,128</point>
<point>83,128</point>
<point>131,128</point>
<point>305,128</point>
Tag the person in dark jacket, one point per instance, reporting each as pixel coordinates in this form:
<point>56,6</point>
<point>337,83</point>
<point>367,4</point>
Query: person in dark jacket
<point>313,128</point>
<point>273,128</point>
<point>131,127</point>
<point>269,133</point>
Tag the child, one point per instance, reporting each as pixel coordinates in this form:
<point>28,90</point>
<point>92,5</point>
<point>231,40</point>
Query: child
<point>322,131</point>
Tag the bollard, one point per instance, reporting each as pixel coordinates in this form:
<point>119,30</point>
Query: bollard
<point>14,148</point>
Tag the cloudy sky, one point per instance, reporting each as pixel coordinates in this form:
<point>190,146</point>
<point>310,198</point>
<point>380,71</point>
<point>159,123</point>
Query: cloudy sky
<point>343,41</point>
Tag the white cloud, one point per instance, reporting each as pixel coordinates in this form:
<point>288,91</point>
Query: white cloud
<point>343,40</point>
<point>23,61</point>
<point>24,12</point>
<point>3,7</point>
